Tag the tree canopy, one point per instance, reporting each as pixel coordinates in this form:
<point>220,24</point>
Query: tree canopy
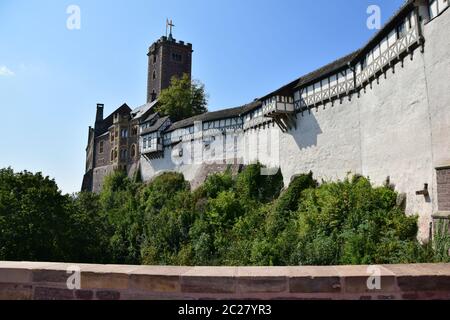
<point>248,219</point>
<point>183,99</point>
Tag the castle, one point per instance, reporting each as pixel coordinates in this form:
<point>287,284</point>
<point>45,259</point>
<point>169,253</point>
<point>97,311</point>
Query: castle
<point>382,111</point>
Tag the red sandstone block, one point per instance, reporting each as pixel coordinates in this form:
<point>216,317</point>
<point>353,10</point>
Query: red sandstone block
<point>193,284</point>
<point>410,296</point>
<point>108,295</point>
<point>386,297</point>
<point>43,293</point>
<point>15,292</point>
<point>209,280</point>
<point>84,294</point>
<point>314,280</point>
<point>363,279</point>
<point>314,285</point>
<point>360,285</point>
<point>50,276</point>
<point>155,283</point>
<point>12,275</point>
<point>262,284</point>
<point>424,283</point>
<point>91,280</point>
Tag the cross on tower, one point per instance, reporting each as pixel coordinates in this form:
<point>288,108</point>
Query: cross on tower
<point>169,25</point>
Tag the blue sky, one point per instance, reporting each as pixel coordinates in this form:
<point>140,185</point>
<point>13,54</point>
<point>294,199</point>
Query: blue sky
<point>51,78</point>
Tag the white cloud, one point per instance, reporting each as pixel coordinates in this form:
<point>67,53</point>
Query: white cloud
<point>5,72</point>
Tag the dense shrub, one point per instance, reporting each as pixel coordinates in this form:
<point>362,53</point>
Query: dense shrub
<point>244,220</point>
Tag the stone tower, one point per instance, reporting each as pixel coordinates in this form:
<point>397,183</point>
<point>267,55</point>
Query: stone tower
<point>167,58</point>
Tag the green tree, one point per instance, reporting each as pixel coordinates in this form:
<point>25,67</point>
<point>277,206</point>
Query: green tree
<point>119,201</point>
<point>36,221</point>
<point>90,230</point>
<point>183,99</point>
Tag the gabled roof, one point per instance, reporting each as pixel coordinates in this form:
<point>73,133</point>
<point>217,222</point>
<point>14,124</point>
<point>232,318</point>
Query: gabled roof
<point>143,110</point>
<point>150,117</point>
<point>215,115</point>
<point>103,126</point>
<point>156,126</point>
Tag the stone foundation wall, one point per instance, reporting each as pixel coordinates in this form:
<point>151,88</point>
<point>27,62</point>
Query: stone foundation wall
<point>48,281</point>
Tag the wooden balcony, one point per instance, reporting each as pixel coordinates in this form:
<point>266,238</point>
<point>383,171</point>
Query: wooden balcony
<point>281,110</point>
<point>155,151</point>
<point>278,105</point>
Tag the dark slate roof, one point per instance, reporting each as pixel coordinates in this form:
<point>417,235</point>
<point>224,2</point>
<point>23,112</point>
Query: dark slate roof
<point>343,62</point>
<point>150,117</point>
<point>103,126</point>
<point>143,110</point>
<point>156,126</point>
<point>215,115</point>
<point>401,13</point>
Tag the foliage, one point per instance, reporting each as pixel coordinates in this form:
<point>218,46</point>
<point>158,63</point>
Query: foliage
<point>183,99</point>
<point>38,223</point>
<point>246,219</point>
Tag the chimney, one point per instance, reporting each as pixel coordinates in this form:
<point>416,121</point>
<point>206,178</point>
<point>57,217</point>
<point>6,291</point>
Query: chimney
<point>99,116</point>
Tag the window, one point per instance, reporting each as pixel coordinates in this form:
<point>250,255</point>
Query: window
<point>100,147</point>
<point>177,57</point>
<point>134,131</point>
<point>124,133</point>
<point>401,30</point>
<point>443,189</point>
<point>123,154</point>
<point>145,143</point>
<point>154,58</point>
<point>133,151</point>
<point>112,155</point>
<point>154,75</point>
<point>363,64</point>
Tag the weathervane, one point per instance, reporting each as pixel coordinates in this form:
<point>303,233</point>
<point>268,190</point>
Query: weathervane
<point>169,25</point>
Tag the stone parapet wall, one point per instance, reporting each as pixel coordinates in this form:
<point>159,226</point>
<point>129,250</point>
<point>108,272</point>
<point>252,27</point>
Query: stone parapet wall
<point>48,281</point>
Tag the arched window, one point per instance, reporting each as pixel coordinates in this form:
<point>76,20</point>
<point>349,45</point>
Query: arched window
<point>154,75</point>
